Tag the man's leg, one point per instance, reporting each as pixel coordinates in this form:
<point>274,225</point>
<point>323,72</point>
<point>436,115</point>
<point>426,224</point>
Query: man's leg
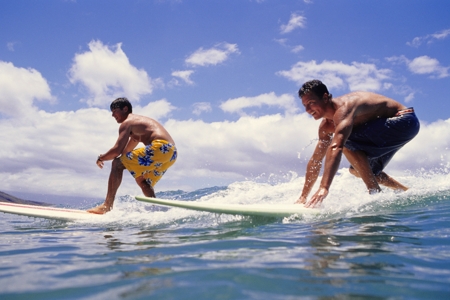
<point>146,188</point>
<point>360,163</point>
<point>114,181</point>
<point>382,178</point>
<point>390,182</point>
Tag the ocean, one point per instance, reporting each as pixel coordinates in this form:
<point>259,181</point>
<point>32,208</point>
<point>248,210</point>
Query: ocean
<point>384,246</point>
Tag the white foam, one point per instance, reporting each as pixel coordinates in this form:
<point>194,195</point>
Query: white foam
<point>348,197</point>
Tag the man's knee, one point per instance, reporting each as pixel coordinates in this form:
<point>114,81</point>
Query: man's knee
<point>381,176</point>
<point>141,182</point>
<point>353,171</point>
<point>117,164</point>
<point>146,188</point>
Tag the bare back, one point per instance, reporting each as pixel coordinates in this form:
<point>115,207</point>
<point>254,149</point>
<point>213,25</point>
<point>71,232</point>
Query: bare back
<point>140,129</point>
<point>146,130</point>
<point>365,106</point>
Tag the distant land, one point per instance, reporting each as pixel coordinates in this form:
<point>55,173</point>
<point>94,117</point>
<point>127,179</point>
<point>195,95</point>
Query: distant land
<point>48,199</point>
<point>4,197</point>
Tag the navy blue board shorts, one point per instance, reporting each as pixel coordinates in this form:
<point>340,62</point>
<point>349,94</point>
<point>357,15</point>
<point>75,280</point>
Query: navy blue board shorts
<point>380,139</point>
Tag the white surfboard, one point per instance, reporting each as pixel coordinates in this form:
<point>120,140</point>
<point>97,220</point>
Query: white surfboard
<point>46,212</point>
<point>268,210</point>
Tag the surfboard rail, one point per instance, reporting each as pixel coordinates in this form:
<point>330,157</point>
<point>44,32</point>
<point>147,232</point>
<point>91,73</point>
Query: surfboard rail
<point>46,212</point>
<point>267,210</point>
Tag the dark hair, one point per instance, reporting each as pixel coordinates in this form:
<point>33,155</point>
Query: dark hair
<point>315,86</point>
<point>121,103</point>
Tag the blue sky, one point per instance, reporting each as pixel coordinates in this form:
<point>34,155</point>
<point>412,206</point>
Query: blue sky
<point>222,76</point>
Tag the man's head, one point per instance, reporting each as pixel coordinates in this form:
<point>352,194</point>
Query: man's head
<point>315,98</point>
<point>121,103</point>
<point>314,86</point>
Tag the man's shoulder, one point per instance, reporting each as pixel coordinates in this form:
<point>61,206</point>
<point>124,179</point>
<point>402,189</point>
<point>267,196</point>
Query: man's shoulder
<point>326,126</point>
<point>134,118</point>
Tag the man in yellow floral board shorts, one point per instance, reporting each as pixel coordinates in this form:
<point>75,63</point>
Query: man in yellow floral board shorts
<point>150,162</point>
<point>147,164</point>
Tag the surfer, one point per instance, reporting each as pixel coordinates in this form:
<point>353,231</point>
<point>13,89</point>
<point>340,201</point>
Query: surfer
<point>147,164</point>
<point>367,128</point>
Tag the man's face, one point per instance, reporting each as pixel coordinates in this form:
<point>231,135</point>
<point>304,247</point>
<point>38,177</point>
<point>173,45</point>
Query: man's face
<point>313,105</point>
<point>119,114</point>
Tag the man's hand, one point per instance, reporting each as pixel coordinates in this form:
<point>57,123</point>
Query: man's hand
<point>301,200</point>
<point>99,162</point>
<point>318,197</point>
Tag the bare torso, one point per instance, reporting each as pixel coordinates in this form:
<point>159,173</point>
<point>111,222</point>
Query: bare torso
<point>365,106</point>
<point>339,117</point>
<point>141,129</point>
<point>357,108</point>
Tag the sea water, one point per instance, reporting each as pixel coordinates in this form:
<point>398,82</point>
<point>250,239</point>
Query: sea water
<point>384,246</point>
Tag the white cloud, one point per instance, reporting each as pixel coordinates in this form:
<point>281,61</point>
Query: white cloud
<point>398,59</point>
<point>294,49</point>
<point>271,144</point>
<point>422,65</point>
<point>184,75</point>
<point>19,88</point>
<point>237,105</point>
<point>54,144</point>
<point>282,42</point>
<point>213,56</point>
<point>356,76</point>
<point>106,73</point>
<point>417,41</point>
<point>246,147</point>
<point>201,107</point>
<point>409,97</point>
<point>428,150</point>
<point>58,150</point>
<point>10,46</point>
<point>442,34</point>
<point>296,21</point>
<point>155,110</point>
<point>297,49</point>
<point>427,65</point>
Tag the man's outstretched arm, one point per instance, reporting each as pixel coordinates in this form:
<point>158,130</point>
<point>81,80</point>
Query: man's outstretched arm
<point>313,169</point>
<point>326,130</point>
<point>332,159</point>
<point>121,143</point>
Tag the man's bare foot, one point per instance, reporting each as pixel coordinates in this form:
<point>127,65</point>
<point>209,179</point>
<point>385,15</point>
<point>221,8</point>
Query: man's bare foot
<point>100,210</point>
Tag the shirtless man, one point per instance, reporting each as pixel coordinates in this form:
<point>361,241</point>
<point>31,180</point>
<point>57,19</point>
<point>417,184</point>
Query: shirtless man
<point>368,128</point>
<point>147,164</point>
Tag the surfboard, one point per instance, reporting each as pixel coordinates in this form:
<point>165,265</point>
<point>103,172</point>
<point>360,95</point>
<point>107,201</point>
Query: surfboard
<point>46,212</point>
<point>268,210</point>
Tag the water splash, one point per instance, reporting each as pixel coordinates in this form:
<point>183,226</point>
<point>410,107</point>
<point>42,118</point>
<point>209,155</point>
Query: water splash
<point>347,198</point>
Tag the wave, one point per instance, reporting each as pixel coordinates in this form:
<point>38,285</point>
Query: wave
<point>347,198</point>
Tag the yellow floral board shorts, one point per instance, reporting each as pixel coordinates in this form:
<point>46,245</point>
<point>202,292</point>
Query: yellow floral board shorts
<point>151,161</point>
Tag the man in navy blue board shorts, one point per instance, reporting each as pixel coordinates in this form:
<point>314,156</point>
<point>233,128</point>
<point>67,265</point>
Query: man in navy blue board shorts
<point>366,127</point>
<point>380,139</point>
